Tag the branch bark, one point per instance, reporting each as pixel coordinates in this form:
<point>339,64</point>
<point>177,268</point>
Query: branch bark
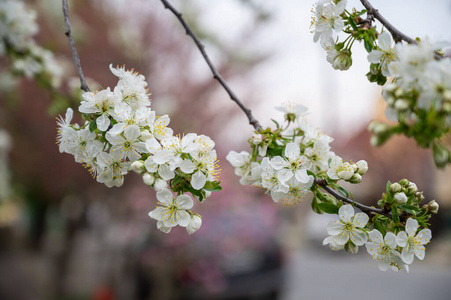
<point>75,56</point>
<point>366,209</point>
<point>398,36</point>
<point>216,75</point>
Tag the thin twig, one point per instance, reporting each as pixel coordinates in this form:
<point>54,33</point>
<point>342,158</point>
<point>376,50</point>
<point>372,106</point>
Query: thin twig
<point>75,56</point>
<point>398,36</point>
<point>366,209</point>
<point>216,75</point>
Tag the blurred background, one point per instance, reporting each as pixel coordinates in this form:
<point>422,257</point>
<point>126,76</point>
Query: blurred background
<point>65,236</point>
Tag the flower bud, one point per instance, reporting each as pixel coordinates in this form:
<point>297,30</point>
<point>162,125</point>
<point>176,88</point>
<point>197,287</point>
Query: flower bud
<point>390,87</point>
<point>145,135</point>
<point>375,141</point>
<point>390,100</point>
<point>138,166</point>
<point>148,179</point>
<point>362,166</point>
<point>412,188</point>
<point>399,92</point>
<point>351,248</point>
<point>419,197</point>
<point>447,95</point>
<point>401,104</point>
<point>432,207</point>
<point>341,60</point>
<point>256,139</point>
<point>207,194</point>
<point>404,182</point>
<point>447,107</point>
<point>356,178</point>
<point>441,155</point>
<point>194,225</point>
<point>378,127</point>
<point>395,188</point>
<point>401,198</point>
<point>160,184</point>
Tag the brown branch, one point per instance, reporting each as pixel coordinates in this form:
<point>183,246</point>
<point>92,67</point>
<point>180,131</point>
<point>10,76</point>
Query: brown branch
<point>216,75</point>
<point>366,209</point>
<point>398,36</point>
<point>75,56</point>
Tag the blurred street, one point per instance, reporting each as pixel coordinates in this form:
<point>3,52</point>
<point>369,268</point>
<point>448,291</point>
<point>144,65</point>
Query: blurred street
<point>313,274</point>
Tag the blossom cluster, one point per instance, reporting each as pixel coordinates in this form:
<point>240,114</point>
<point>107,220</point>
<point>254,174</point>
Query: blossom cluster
<point>418,97</point>
<point>285,162</point>
<point>17,28</point>
<point>392,251</point>
<point>122,133</point>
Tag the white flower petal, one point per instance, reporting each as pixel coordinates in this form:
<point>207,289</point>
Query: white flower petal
<point>198,180</point>
<point>360,220</point>
<point>184,202</point>
<point>165,196</point>
<point>411,226</point>
<point>346,212</point>
<point>334,227</point>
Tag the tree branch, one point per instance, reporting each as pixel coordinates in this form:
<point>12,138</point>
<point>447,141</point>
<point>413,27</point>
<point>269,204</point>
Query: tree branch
<point>398,36</point>
<point>216,75</point>
<point>366,209</point>
<point>75,56</point>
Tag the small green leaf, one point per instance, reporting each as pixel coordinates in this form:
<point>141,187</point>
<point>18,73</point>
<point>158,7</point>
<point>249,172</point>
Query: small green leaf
<point>410,209</point>
<point>214,189</point>
<point>352,23</point>
<point>395,215</point>
<point>92,126</point>
<point>275,122</point>
<point>378,226</point>
<point>343,191</point>
<point>387,187</point>
<point>368,46</point>
<point>315,206</point>
<point>328,208</point>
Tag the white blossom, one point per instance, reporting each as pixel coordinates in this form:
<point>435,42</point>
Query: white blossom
<point>383,249</point>
<point>348,227</point>
<point>172,212</point>
<point>327,19</point>
<point>412,243</point>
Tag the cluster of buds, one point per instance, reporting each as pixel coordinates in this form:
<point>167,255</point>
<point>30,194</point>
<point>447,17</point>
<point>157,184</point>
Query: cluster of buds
<point>122,133</point>
<point>285,161</point>
<point>17,43</point>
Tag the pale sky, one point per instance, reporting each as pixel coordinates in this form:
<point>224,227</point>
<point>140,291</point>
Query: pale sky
<point>340,102</point>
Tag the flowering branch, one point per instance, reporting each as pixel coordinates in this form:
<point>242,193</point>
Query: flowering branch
<point>216,75</point>
<point>398,36</point>
<point>367,209</point>
<point>75,56</point>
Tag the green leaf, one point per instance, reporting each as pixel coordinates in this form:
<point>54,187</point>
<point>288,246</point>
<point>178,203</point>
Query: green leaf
<point>387,187</point>
<point>368,46</point>
<point>315,206</point>
<point>352,23</point>
<point>275,122</point>
<point>215,189</point>
<point>343,191</point>
<point>92,126</point>
<point>410,209</point>
<point>176,180</point>
<point>328,208</point>
<point>395,215</point>
<point>378,226</point>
